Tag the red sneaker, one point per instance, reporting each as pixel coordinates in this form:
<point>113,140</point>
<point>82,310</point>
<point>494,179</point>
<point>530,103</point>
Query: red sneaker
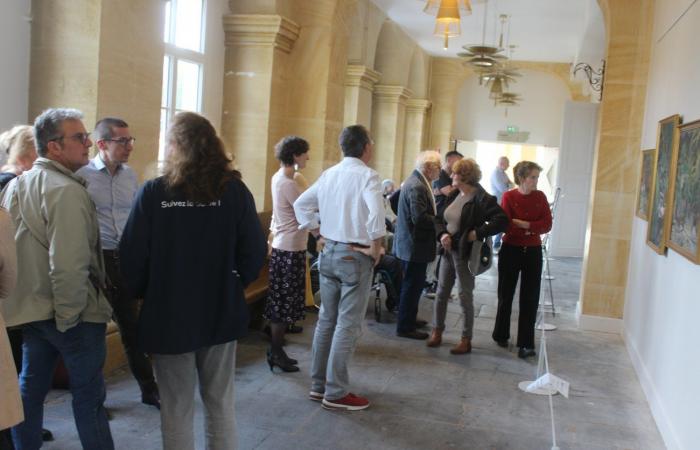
<point>350,402</point>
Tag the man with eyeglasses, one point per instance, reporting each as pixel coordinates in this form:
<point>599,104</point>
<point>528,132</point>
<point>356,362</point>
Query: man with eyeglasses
<point>112,186</point>
<point>59,301</point>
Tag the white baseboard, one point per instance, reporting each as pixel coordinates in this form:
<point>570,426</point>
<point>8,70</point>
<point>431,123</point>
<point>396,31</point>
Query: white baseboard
<point>665,425</point>
<point>596,323</point>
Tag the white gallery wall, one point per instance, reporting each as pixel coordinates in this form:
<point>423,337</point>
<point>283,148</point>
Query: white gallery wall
<point>662,306</point>
<point>15,42</point>
<point>540,111</point>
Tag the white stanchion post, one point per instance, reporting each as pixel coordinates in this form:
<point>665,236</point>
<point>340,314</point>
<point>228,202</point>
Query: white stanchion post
<point>546,306</point>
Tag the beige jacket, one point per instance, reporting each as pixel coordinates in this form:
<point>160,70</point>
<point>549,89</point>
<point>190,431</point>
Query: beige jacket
<point>60,266</point>
<point>11,404</point>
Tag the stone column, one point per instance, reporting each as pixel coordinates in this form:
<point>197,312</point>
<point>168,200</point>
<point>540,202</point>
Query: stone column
<point>255,95</point>
<point>447,76</point>
<point>359,85</point>
<point>104,58</point>
<point>388,128</point>
<point>607,249</point>
<point>414,137</point>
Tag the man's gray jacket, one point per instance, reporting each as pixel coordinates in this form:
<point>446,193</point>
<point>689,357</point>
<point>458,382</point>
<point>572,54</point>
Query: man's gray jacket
<point>414,233</point>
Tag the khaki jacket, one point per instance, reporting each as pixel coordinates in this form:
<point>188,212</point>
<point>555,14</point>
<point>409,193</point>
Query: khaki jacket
<point>11,404</point>
<point>60,266</point>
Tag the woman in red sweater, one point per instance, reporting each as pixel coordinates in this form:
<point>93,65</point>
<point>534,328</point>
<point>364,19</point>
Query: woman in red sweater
<point>521,255</point>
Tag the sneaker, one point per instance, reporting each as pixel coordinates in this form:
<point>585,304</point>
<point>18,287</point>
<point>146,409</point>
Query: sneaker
<point>350,402</point>
<point>315,396</point>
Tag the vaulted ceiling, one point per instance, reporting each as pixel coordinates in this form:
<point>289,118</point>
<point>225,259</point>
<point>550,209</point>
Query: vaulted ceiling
<point>541,30</point>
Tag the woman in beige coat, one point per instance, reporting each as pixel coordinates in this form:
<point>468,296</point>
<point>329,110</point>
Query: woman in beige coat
<point>11,404</point>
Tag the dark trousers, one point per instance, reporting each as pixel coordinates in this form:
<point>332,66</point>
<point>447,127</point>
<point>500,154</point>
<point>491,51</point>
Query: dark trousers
<point>126,310</point>
<point>411,289</point>
<point>392,266</point>
<point>525,262</point>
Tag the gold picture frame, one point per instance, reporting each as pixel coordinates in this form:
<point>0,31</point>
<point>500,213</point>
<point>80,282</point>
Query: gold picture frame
<point>684,231</point>
<point>645,180</point>
<point>661,191</point>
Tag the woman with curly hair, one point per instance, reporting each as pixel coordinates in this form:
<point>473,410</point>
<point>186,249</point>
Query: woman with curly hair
<point>521,256</point>
<point>192,243</point>
<point>469,214</point>
<point>285,299</point>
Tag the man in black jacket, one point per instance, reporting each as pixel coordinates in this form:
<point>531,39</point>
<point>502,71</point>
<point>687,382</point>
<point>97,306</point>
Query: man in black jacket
<point>414,239</point>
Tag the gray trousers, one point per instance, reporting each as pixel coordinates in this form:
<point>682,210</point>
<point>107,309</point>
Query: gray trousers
<point>345,277</point>
<point>453,267</point>
<point>177,375</point>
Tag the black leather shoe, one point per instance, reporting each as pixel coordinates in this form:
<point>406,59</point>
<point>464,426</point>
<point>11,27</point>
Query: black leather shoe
<point>294,329</point>
<point>503,344</point>
<point>418,335</point>
<point>524,352</point>
<point>46,435</point>
<point>420,323</point>
<point>151,398</point>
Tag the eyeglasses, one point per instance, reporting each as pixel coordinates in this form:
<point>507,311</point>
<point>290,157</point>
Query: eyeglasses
<point>83,138</point>
<point>123,141</point>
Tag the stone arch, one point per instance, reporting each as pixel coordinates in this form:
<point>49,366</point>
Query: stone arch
<point>394,54</point>
<point>365,26</point>
<point>419,73</point>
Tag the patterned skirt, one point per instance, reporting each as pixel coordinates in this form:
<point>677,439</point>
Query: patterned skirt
<point>286,294</point>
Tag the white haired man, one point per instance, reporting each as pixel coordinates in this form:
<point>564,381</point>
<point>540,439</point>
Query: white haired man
<point>414,240</point>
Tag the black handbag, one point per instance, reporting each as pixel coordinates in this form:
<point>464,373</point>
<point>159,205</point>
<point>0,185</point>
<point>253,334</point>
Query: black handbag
<point>481,256</point>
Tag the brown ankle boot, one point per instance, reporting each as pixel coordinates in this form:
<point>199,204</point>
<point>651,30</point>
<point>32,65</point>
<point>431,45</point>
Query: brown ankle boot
<point>464,346</point>
<point>435,338</point>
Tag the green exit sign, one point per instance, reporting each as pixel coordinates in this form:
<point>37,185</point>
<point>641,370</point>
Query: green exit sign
<point>512,129</point>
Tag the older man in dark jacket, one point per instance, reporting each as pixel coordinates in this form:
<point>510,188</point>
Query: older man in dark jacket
<point>414,239</point>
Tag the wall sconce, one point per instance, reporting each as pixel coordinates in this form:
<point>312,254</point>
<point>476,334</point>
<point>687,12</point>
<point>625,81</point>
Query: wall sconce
<point>595,77</point>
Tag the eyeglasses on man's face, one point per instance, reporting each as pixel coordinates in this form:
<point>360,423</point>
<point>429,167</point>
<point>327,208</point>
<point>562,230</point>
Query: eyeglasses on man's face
<point>83,138</point>
<point>125,141</point>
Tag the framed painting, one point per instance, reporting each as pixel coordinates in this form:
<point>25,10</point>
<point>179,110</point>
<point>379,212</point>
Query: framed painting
<point>657,231</point>
<point>645,183</point>
<point>685,210</point>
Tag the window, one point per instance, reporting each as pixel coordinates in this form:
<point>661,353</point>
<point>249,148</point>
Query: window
<point>183,64</point>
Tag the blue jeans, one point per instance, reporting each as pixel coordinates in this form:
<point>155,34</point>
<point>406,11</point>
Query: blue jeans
<point>346,277</point>
<point>83,351</point>
<point>411,289</point>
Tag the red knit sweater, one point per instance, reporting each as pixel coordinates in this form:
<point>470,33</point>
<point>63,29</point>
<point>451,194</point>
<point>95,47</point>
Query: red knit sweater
<point>533,208</point>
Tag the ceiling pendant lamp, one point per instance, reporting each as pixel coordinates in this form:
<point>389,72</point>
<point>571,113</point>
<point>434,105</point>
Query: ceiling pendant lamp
<point>433,6</point>
<point>496,89</point>
<point>447,22</point>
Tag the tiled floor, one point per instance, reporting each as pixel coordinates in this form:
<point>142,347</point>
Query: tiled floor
<point>422,398</point>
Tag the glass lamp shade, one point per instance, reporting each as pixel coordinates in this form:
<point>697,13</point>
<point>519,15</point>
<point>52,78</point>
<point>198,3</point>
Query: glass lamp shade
<point>433,6</point>
<point>447,29</point>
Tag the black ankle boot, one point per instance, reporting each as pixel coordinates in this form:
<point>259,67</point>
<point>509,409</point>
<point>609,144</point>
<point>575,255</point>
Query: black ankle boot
<point>282,361</point>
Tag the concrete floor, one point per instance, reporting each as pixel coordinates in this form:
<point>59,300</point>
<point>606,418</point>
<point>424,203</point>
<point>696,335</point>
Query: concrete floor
<point>421,398</point>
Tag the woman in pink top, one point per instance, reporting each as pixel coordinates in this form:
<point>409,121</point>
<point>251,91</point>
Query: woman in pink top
<point>286,295</point>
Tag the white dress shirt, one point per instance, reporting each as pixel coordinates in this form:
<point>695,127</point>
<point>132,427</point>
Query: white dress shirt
<point>347,201</point>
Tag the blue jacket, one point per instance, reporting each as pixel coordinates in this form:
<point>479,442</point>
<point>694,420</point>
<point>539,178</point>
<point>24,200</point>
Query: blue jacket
<point>190,263</point>
<point>414,233</point>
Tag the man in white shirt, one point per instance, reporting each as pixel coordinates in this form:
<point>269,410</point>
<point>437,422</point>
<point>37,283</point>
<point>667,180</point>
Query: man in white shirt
<point>346,208</point>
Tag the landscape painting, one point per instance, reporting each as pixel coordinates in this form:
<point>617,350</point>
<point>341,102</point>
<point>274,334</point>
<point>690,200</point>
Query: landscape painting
<point>645,183</point>
<point>685,217</point>
<point>660,194</point>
